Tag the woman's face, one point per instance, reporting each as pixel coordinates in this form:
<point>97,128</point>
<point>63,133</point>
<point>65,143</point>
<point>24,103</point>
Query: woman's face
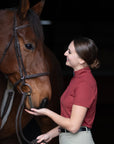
<point>72,58</point>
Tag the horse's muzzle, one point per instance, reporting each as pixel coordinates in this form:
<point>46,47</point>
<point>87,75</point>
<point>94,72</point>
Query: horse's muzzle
<point>43,103</point>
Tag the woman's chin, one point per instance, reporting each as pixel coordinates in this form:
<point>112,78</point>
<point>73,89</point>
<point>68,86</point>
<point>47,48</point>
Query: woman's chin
<point>67,64</point>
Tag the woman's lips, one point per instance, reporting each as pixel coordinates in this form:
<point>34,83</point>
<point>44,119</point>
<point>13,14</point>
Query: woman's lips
<point>67,59</point>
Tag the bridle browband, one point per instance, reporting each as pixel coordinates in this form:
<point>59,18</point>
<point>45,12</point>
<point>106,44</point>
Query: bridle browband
<point>23,77</point>
<point>22,69</point>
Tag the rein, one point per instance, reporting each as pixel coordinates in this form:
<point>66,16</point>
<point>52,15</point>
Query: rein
<point>23,77</point>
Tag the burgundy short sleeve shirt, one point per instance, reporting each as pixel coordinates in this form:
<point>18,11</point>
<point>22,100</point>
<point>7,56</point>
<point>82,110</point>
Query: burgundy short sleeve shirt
<point>81,91</point>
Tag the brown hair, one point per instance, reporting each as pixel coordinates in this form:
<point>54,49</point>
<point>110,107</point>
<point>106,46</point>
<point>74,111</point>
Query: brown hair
<point>87,50</point>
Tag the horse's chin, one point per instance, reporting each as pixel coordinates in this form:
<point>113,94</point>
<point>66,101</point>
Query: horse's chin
<point>43,104</point>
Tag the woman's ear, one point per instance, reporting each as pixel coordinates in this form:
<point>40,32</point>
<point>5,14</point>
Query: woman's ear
<point>81,61</point>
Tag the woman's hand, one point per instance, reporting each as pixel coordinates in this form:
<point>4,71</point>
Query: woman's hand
<point>44,138</point>
<point>37,112</point>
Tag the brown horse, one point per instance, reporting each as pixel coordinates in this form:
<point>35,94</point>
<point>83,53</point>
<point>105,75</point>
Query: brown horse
<point>29,65</point>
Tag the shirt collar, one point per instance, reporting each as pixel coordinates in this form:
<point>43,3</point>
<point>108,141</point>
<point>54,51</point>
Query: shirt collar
<point>81,71</point>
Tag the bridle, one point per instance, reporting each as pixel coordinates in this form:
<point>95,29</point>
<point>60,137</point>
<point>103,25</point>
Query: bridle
<point>23,77</point>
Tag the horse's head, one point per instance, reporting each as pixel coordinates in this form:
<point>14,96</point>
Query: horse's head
<point>22,52</point>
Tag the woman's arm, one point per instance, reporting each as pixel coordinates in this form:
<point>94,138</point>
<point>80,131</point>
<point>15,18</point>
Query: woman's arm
<point>72,124</point>
<point>77,116</point>
<point>49,135</point>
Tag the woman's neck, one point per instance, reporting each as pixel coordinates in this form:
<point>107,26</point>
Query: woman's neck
<point>80,67</point>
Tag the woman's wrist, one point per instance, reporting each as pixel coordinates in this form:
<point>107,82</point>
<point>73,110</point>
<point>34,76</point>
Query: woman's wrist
<point>53,133</point>
<point>46,112</point>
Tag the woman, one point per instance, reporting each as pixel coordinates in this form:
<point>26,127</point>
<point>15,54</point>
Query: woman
<point>78,102</point>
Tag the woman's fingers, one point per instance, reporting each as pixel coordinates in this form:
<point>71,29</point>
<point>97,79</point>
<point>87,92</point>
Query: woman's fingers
<point>30,112</point>
<point>34,110</point>
<point>42,142</point>
<point>43,139</point>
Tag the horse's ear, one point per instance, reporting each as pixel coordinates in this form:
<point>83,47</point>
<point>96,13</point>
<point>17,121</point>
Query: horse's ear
<point>23,8</point>
<point>38,7</point>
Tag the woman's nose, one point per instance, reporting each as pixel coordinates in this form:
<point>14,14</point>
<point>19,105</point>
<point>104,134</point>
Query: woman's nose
<point>65,54</point>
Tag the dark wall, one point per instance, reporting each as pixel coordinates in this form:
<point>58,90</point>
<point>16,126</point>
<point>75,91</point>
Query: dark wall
<point>93,19</point>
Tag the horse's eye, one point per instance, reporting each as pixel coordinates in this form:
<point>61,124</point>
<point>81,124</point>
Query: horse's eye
<point>29,46</point>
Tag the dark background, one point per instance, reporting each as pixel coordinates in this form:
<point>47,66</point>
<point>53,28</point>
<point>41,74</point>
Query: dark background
<point>93,19</point>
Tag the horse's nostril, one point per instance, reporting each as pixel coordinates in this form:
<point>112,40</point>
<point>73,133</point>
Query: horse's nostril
<point>44,103</point>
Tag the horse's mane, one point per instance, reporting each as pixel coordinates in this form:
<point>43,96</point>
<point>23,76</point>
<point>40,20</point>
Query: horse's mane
<point>34,20</point>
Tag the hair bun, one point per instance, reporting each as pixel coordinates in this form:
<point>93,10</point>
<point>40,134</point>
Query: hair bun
<point>95,64</point>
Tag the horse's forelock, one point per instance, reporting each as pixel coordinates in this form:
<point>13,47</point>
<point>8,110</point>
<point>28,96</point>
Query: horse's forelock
<point>34,20</point>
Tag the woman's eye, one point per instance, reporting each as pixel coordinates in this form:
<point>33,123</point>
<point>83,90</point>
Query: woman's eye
<point>69,51</point>
<point>29,46</point>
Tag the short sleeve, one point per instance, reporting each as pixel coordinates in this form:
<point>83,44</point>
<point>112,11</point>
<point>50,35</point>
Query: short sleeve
<point>83,95</point>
